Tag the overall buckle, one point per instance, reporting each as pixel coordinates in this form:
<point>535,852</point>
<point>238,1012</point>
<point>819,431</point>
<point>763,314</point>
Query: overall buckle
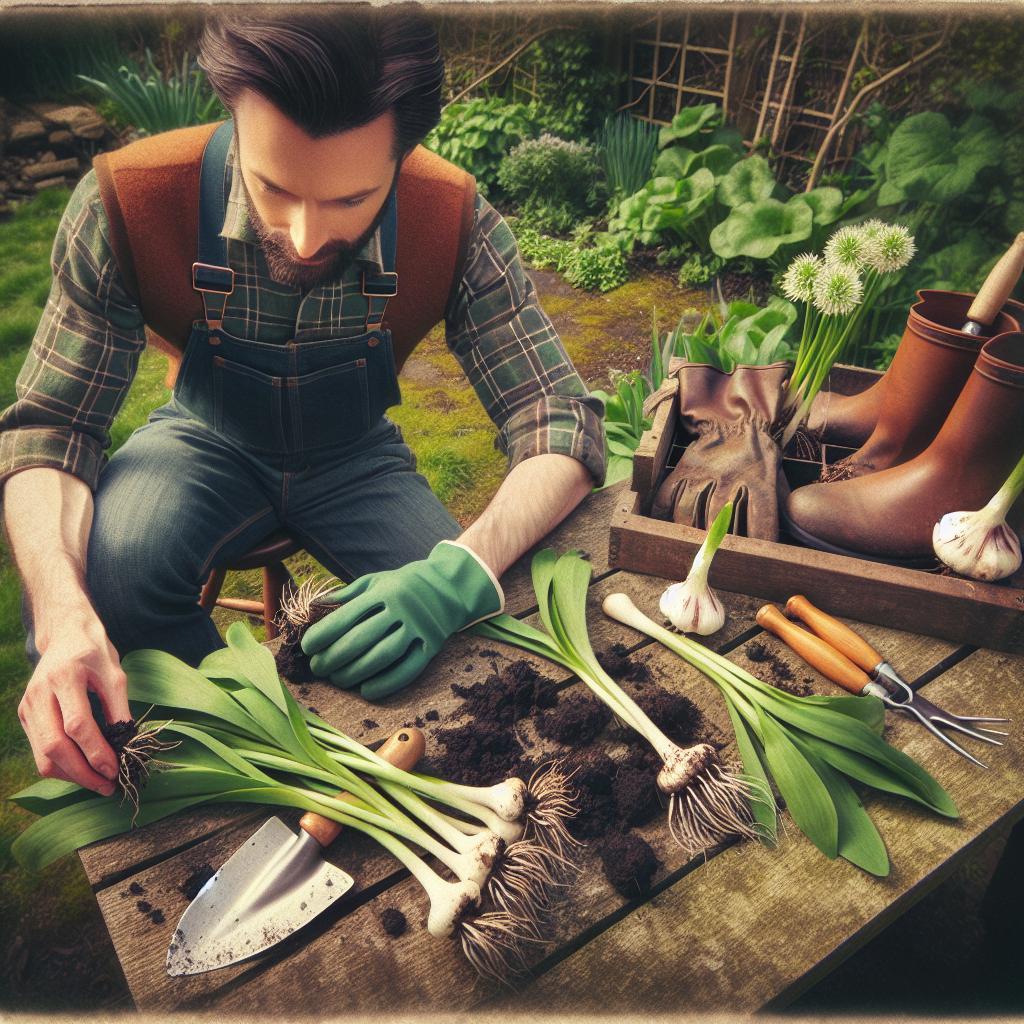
<point>383,285</point>
<point>209,278</point>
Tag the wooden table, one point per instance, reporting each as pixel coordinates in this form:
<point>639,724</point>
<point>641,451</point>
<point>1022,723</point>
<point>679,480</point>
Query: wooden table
<point>743,931</point>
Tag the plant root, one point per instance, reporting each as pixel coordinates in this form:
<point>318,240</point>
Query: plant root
<point>551,803</point>
<point>297,602</point>
<point>494,944</point>
<point>713,805</point>
<point>137,757</point>
<point>522,883</point>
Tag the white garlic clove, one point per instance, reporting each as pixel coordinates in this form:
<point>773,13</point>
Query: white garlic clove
<point>976,545</point>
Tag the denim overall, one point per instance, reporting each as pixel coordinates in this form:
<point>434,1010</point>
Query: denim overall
<point>273,398</point>
<point>256,437</point>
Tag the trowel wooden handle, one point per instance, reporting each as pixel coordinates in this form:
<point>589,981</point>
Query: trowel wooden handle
<point>1000,282</point>
<point>828,661</point>
<point>403,750</point>
<point>834,633</point>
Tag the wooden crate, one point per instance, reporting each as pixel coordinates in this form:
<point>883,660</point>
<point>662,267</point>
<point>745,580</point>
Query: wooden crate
<point>961,610</point>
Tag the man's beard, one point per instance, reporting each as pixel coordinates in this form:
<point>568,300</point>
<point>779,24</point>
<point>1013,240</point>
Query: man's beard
<point>282,258</point>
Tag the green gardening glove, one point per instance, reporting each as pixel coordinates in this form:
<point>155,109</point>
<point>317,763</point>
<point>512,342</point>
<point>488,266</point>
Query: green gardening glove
<point>390,624</point>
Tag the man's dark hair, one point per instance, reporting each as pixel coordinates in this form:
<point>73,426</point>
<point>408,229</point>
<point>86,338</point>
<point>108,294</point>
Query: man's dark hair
<point>329,72</point>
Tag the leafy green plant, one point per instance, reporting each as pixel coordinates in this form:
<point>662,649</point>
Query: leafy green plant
<point>767,228</point>
<point>153,102</point>
<point>811,747</point>
<point>624,422</point>
<point>626,147</point>
<point>696,270</point>
<point>572,88</point>
<point>477,133</point>
<point>727,336</point>
<point>553,182</point>
<point>598,269</point>
<point>680,209</point>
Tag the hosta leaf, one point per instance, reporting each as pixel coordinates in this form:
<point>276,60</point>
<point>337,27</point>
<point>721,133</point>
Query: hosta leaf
<point>806,796</point>
<point>748,181</point>
<point>759,229</point>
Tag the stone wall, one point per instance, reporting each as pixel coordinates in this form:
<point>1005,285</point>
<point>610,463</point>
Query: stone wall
<point>46,145</point>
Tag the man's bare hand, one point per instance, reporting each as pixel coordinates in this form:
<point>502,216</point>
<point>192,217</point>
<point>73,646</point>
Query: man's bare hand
<point>55,713</point>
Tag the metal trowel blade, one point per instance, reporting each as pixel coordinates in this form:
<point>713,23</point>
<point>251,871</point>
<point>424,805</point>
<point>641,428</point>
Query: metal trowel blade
<point>275,883</point>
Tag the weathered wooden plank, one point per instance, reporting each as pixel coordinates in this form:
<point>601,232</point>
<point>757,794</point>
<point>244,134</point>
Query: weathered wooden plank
<point>423,974</point>
<point>761,926</point>
<point>585,528</point>
<point>135,935</point>
<point>959,610</point>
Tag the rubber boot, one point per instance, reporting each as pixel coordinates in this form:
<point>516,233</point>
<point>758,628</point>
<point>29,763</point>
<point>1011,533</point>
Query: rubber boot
<point>888,516</point>
<point>936,318</point>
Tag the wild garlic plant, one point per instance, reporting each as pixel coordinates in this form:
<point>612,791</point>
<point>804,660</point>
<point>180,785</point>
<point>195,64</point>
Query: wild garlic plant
<point>707,801</point>
<point>231,731</point>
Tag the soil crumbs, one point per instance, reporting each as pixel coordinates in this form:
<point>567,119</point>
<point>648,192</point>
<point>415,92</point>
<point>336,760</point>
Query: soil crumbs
<point>614,794</point>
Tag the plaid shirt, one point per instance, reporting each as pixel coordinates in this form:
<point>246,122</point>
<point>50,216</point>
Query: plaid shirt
<point>86,348</point>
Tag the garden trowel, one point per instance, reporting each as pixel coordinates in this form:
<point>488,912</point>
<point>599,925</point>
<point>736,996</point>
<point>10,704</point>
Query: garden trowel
<point>275,883</point>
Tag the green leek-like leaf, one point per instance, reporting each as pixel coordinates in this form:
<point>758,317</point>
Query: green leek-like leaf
<point>752,755</point>
<point>257,663</point>
<point>859,841</point>
<point>806,796</point>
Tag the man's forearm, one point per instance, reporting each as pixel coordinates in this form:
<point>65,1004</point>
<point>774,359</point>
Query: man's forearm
<point>532,500</point>
<point>48,515</point>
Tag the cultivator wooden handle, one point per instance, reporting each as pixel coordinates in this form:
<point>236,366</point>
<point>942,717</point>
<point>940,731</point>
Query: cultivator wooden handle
<point>815,651</point>
<point>403,749</point>
<point>1001,280</point>
<point>834,633</point>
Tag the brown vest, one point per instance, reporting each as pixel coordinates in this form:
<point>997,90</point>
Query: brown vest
<point>150,190</point>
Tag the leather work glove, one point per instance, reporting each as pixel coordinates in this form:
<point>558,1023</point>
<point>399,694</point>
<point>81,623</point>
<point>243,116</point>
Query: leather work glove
<point>733,455</point>
<point>390,624</point>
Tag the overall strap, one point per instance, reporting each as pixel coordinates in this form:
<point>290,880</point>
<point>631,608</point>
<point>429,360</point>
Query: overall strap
<point>378,288</point>
<point>211,275</point>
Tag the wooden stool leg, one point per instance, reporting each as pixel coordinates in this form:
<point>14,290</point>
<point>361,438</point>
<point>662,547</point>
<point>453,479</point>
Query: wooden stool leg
<point>275,578</point>
<point>211,591</point>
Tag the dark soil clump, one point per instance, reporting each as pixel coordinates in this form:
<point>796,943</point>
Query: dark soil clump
<point>676,715</point>
<point>776,671</point>
<point>480,753</point>
<point>629,864</point>
<point>195,881</point>
<point>507,695</point>
<point>120,734</point>
<point>393,921</point>
<point>135,889</point>
<point>369,723</point>
<point>432,716</point>
<point>292,662</point>
<point>574,721</point>
<point>616,662</point>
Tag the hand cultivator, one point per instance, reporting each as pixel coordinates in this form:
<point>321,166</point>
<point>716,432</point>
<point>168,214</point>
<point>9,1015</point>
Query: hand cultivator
<point>847,659</point>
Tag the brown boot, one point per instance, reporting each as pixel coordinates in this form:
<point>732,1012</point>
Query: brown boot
<point>930,367</point>
<point>888,516</point>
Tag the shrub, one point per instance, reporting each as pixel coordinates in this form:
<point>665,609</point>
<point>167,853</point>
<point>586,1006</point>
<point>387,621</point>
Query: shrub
<point>476,134</point>
<point>553,182</point>
<point>599,269</point>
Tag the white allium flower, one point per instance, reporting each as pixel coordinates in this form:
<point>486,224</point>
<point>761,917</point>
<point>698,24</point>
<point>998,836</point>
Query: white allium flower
<point>801,274</point>
<point>891,249</point>
<point>848,247</point>
<point>871,228</point>
<point>838,290</point>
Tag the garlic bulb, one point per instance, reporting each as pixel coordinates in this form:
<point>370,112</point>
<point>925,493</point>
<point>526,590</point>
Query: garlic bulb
<point>692,606</point>
<point>977,544</point>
